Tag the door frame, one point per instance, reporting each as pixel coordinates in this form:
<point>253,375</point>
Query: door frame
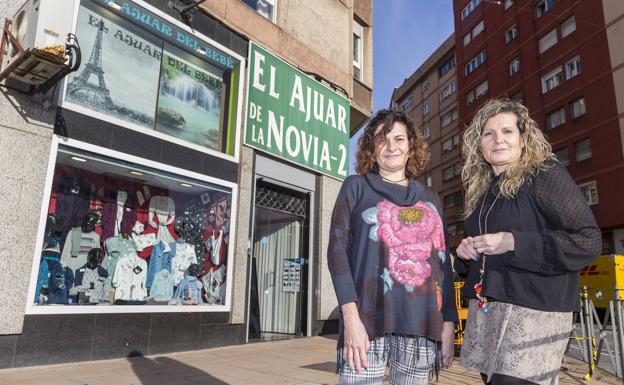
<point>259,174</point>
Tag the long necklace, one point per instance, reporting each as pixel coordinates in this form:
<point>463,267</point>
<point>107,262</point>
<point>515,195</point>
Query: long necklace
<point>483,301</point>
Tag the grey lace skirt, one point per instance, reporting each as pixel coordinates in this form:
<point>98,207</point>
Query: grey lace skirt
<point>516,341</point>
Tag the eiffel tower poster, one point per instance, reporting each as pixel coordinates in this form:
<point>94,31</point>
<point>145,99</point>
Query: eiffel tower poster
<point>120,78</point>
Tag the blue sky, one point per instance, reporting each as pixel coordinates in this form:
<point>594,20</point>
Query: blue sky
<point>405,34</point>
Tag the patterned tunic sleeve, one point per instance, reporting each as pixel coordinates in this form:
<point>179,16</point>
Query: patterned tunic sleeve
<point>571,238</point>
<point>339,234</point>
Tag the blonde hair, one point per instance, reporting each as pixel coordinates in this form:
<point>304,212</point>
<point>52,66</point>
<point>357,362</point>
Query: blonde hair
<point>477,173</point>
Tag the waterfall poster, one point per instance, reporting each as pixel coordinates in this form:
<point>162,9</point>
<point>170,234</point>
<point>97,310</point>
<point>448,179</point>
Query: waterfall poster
<point>120,67</point>
<point>189,102</point>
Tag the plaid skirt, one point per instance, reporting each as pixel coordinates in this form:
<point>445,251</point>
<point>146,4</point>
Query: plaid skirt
<point>516,341</point>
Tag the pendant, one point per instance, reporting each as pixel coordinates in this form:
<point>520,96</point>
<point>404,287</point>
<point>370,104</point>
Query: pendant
<point>482,300</point>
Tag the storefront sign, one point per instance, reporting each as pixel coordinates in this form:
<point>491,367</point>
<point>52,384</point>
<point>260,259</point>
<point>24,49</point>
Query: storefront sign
<point>295,117</point>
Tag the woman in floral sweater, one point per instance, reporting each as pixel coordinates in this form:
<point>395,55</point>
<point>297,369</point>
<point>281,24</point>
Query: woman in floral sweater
<point>389,263</point>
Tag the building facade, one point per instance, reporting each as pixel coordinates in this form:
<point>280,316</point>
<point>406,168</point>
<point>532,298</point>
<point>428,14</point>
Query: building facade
<point>141,216</point>
<point>561,59</point>
<point>429,97</point>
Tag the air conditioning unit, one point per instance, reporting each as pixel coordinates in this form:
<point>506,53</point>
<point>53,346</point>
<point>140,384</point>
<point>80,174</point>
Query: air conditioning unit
<point>40,27</point>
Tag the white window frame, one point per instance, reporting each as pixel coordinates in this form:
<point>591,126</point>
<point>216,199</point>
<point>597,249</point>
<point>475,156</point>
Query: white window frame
<point>582,156</point>
<point>358,45</point>
<point>449,90</point>
<point>428,179</point>
<point>160,135</point>
<point>467,10</point>
<point>573,67</point>
<point>547,41</point>
<point>514,66</point>
<point>555,118</point>
<point>425,108</point>
<point>511,34</point>
<point>31,308</point>
<point>568,26</point>
<point>542,8</point>
<point>590,191</point>
<point>576,112</point>
<point>475,62</point>
<point>552,80</point>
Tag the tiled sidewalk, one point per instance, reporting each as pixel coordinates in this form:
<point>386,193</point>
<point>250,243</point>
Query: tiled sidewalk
<point>303,361</point>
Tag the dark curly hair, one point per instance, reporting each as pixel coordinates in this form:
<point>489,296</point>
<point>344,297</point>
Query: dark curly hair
<point>419,150</point>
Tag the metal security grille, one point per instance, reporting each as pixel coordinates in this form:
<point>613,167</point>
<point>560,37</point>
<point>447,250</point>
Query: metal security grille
<point>276,198</point>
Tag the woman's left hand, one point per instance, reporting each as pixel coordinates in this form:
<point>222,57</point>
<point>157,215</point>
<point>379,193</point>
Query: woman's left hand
<point>448,344</point>
<point>491,244</point>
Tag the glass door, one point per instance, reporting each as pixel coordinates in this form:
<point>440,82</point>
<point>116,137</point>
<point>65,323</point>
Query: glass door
<point>278,307</point>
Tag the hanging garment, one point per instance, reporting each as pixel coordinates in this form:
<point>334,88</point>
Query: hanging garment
<point>77,246</point>
<point>129,278</point>
<point>91,282</point>
<point>159,260</point>
<point>214,286</point>
<point>183,256</point>
<point>163,208</point>
<point>162,287</point>
<point>118,216</point>
<point>189,292</point>
<point>60,281</point>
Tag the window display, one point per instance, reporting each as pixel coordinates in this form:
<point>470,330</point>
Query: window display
<point>118,233</point>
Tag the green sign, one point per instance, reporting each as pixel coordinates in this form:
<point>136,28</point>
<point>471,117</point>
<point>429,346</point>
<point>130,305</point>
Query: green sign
<point>294,117</point>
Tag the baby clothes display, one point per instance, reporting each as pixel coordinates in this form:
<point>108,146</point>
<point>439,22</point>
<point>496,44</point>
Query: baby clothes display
<point>129,278</point>
<point>214,286</point>
<point>77,246</point>
<point>183,256</point>
<point>90,282</point>
<point>162,287</point>
<point>142,241</point>
<point>50,258</point>
<point>161,215</point>
<point>189,292</point>
<point>158,261</point>
<point>116,248</point>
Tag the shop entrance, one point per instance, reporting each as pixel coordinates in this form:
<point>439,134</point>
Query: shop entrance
<point>278,305</point>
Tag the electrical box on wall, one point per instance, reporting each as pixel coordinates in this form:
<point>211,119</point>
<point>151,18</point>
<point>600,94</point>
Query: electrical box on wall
<point>34,48</point>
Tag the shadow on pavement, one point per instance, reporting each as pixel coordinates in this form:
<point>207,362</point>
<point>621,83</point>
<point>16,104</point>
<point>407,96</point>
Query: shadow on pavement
<point>165,370</point>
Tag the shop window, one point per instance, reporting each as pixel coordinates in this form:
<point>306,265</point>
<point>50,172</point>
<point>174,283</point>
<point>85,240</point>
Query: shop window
<point>547,41</point>
<point>514,66</point>
<point>140,76</point>
<point>590,191</point>
<point>542,7</point>
<point>130,232</point>
<point>552,79</point>
<point>511,34</point>
<point>577,108</point>
<point>568,26</point>
<point>358,49</point>
<point>266,8</point>
<point>583,150</point>
<point>562,156</point>
<point>573,67</point>
<point>555,118</point>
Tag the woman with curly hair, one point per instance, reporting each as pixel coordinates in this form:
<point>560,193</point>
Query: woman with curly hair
<point>388,259</point>
<point>529,232</point>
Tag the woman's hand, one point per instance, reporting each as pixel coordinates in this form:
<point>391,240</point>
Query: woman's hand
<point>492,244</point>
<point>356,342</point>
<point>448,344</point>
<point>466,249</point>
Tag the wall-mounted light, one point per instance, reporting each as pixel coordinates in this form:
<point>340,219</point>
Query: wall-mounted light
<point>186,185</point>
<point>133,172</point>
<point>114,5</point>
<point>78,159</point>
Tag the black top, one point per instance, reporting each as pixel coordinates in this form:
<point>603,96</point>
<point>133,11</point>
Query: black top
<point>555,235</point>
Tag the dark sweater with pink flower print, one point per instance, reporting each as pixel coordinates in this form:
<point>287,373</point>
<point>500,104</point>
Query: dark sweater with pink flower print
<point>387,252</point>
